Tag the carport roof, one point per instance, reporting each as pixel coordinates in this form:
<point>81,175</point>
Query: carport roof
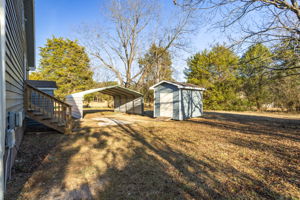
<point>110,90</point>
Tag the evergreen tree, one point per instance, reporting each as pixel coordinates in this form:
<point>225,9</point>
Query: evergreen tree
<point>286,75</point>
<point>286,93</point>
<point>67,63</point>
<point>255,74</point>
<point>216,70</point>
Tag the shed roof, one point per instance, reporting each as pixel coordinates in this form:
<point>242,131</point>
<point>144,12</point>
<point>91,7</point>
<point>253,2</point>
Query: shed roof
<point>42,84</point>
<point>110,90</point>
<point>179,85</point>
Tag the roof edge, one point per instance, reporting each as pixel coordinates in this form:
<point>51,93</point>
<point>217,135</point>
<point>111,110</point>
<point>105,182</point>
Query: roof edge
<point>178,86</point>
<point>83,93</point>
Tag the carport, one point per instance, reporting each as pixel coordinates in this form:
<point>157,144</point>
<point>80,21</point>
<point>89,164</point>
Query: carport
<point>125,100</point>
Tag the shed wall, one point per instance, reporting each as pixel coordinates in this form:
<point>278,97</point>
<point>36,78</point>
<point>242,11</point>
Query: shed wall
<point>117,103</point>
<point>123,101</point>
<point>166,88</point>
<point>77,106</point>
<point>138,106</point>
<point>192,105</point>
<point>130,105</point>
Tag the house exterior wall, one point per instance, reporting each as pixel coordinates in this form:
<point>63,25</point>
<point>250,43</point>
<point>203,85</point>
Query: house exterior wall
<point>2,97</point>
<point>16,71</point>
<point>15,74</point>
<point>168,88</point>
<point>191,103</point>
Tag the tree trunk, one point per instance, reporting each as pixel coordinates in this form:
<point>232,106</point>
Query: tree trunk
<point>258,105</point>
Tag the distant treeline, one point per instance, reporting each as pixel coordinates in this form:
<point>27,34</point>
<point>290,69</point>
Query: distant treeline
<point>257,80</point>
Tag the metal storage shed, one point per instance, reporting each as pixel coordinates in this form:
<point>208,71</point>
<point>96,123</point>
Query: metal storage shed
<point>125,100</point>
<point>176,100</point>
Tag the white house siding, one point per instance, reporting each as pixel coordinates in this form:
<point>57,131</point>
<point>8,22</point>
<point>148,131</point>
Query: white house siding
<point>15,55</point>
<point>15,65</point>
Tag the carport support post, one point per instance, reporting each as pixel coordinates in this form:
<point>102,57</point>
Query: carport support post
<point>154,114</point>
<point>180,105</point>
<point>133,108</point>
<point>142,107</point>
<point>120,103</point>
<point>126,100</point>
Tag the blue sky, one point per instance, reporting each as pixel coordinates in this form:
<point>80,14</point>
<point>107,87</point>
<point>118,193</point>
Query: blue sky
<point>61,18</point>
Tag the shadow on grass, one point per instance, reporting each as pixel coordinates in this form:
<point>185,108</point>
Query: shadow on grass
<point>33,150</point>
<point>154,170</point>
<point>148,113</point>
<point>196,179</point>
<point>289,156</point>
<point>253,125</point>
<point>91,111</point>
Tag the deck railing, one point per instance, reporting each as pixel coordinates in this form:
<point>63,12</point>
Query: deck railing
<point>48,106</point>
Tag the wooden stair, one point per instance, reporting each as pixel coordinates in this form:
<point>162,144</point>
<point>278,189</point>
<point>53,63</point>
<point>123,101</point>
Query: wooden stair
<point>47,109</point>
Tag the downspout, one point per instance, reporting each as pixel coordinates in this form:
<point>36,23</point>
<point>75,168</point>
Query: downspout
<point>2,97</point>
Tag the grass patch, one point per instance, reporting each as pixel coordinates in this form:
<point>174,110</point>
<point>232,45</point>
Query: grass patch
<point>219,156</point>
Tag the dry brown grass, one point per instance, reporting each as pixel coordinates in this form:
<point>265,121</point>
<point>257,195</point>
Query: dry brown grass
<point>219,156</point>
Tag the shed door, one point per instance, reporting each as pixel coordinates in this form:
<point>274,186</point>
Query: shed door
<point>166,104</point>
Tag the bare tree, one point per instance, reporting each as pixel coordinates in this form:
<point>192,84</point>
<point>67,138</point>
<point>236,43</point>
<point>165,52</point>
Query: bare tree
<point>274,22</point>
<point>118,47</point>
<point>260,20</point>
